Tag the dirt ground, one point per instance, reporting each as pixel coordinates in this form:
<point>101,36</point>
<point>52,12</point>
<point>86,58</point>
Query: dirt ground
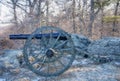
<point>103,72</point>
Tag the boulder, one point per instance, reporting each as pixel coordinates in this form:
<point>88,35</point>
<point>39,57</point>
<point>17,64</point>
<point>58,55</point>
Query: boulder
<point>2,68</point>
<point>10,57</point>
<point>9,61</point>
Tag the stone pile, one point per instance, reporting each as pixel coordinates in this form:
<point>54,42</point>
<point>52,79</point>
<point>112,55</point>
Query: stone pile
<point>109,47</point>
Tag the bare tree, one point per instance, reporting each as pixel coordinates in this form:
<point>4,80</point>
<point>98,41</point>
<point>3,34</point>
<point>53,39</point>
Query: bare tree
<point>31,4</point>
<point>115,14</point>
<point>73,17</point>
<point>14,3</point>
<point>93,14</point>
<point>82,14</point>
<point>101,4</point>
<point>47,12</point>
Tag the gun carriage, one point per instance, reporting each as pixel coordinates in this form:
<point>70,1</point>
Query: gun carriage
<point>48,51</point>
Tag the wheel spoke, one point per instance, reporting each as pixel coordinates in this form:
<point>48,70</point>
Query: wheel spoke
<point>64,55</point>
<point>56,40</point>
<point>69,49</point>
<point>51,40</point>
<point>55,66</point>
<point>38,59</point>
<point>61,45</point>
<point>68,57</point>
<point>48,66</point>
<point>42,63</point>
<point>44,41</point>
<point>61,63</point>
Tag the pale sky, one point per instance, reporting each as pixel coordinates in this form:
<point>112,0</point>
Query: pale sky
<point>5,13</point>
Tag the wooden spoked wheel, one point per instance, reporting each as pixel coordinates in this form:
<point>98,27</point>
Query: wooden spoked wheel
<point>49,51</point>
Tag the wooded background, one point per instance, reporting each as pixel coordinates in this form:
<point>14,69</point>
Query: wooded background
<point>92,18</point>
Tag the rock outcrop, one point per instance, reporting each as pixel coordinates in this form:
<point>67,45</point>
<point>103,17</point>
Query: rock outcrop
<point>108,47</point>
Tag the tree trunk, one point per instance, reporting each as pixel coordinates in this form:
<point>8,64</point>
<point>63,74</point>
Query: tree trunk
<point>0,9</point>
<point>115,14</point>
<point>81,14</point>
<point>101,29</point>
<point>73,19</point>
<point>92,17</point>
<point>47,12</point>
<point>15,15</point>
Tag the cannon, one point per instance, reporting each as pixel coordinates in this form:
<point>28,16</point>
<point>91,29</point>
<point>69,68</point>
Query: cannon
<point>48,51</point>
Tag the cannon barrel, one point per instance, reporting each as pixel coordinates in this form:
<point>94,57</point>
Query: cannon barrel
<point>37,36</point>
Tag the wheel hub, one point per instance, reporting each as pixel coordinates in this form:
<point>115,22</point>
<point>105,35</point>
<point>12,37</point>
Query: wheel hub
<point>50,53</point>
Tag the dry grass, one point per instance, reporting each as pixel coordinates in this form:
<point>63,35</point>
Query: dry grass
<point>5,43</point>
